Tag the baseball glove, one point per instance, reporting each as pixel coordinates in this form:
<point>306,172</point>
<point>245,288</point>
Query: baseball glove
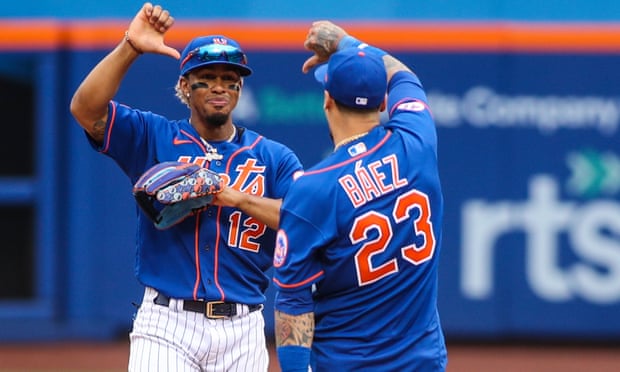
<point>171,191</point>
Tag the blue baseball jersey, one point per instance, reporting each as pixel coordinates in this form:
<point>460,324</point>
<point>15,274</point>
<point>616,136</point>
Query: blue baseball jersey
<point>220,253</point>
<point>363,229</point>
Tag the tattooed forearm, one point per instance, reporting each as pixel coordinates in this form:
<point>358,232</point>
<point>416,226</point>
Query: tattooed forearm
<point>327,39</point>
<point>323,38</point>
<point>392,65</point>
<point>294,329</point>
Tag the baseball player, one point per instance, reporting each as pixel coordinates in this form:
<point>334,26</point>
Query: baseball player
<point>356,263</point>
<point>204,275</point>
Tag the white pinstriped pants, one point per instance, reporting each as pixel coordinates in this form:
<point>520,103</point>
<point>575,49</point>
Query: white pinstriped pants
<point>172,339</point>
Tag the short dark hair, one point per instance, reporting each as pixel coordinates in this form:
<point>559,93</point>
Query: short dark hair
<point>365,110</point>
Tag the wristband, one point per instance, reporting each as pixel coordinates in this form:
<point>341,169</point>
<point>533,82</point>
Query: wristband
<point>349,41</point>
<point>131,44</point>
<point>294,358</point>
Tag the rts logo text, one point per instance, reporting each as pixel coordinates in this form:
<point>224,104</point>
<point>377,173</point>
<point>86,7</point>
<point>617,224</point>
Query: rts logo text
<point>591,230</point>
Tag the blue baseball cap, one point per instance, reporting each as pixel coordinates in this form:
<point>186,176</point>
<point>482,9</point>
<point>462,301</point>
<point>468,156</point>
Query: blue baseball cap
<point>354,77</point>
<point>214,49</point>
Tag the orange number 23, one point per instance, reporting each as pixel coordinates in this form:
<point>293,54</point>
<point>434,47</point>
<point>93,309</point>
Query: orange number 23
<point>369,272</point>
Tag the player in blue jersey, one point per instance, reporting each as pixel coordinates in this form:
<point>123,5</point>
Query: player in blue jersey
<point>204,277</point>
<point>360,232</point>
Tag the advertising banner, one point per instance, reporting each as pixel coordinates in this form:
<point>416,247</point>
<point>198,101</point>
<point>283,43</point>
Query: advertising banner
<point>531,173</point>
<point>530,166</point>
<point>528,120</point>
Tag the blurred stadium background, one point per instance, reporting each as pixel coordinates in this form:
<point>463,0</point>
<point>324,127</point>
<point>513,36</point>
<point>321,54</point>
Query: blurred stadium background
<point>526,99</point>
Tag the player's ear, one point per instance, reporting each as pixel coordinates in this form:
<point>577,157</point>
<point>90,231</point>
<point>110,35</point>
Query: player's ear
<point>184,85</point>
<point>328,101</point>
<point>240,86</point>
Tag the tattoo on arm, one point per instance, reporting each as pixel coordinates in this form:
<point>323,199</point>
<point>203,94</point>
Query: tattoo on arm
<point>98,130</point>
<point>294,329</point>
<point>327,41</point>
<point>393,65</point>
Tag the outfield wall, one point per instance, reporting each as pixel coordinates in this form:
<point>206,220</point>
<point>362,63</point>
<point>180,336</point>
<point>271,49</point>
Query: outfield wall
<point>528,118</point>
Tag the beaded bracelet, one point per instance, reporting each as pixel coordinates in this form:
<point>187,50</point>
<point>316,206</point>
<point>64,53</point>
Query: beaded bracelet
<point>131,44</point>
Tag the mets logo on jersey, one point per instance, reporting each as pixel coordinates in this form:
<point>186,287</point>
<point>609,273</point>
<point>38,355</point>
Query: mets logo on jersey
<point>279,256</point>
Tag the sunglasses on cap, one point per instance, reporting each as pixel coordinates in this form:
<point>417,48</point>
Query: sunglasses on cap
<point>217,52</point>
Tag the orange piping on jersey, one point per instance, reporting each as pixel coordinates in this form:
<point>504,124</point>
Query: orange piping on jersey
<point>219,213</point>
<point>217,255</point>
<point>197,255</point>
<point>195,140</point>
<point>240,150</point>
<point>275,35</point>
<point>299,284</point>
<point>373,149</point>
<point>109,134</point>
<point>197,233</point>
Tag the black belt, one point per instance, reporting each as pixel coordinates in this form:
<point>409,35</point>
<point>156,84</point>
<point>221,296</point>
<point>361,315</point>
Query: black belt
<point>212,309</point>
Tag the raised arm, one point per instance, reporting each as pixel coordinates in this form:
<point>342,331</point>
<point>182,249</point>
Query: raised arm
<point>145,34</point>
<point>325,38</point>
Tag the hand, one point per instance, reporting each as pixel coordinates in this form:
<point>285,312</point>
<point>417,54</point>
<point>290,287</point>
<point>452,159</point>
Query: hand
<point>264,209</point>
<point>228,197</point>
<point>323,38</point>
<point>147,30</point>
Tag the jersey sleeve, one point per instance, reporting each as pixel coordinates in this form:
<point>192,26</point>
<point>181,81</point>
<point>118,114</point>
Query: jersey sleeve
<point>126,138</point>
<point>281,161</point>
<point>289,165</point>
<point>297,260</point>
<point>405,86</point>
<point>408,108</point>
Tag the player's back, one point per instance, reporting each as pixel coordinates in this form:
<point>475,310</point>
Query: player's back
<point>377,297</point>
<point>364,226</point>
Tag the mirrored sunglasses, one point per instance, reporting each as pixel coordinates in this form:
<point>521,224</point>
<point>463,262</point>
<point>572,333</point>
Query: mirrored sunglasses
<point>217,52</point>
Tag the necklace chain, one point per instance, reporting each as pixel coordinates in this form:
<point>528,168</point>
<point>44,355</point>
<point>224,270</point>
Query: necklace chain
<point>211,153</point>
<point>349,140</point>
<point>232,136</point>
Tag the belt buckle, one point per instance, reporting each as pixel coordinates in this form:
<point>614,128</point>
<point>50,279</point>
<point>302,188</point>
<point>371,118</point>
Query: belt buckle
<point>209,310</point>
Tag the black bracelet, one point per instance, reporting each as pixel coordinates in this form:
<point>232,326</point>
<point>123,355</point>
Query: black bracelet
<point>131,44</point>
